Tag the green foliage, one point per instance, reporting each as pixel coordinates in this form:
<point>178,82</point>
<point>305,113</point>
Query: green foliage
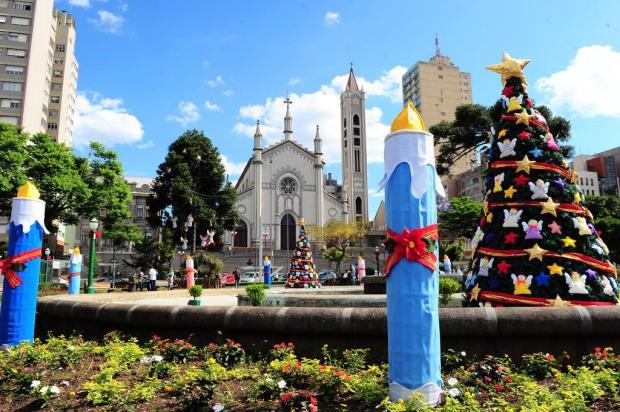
<point>455,250</point>
<point>539,365</point>
<point>229,353</point>
<point>461,219</point>
<point>120,233</point>
<point>370,271</point>
<point>192,180</point>
<point>13,157</point>
<point>195,291</point>
<point>148,252</point>
<point>447,287</point>
<point>452,359</point>
<point>177,350</point>
<point>610,228</point>
<point>208,262</point>
<point>606,206</point>
<point>256,293</point>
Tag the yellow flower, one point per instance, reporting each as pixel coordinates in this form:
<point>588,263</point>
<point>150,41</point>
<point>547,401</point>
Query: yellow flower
<point>72,394</point>
<point>291,356</point>
<point>468,395</point>
<point>211,361</point>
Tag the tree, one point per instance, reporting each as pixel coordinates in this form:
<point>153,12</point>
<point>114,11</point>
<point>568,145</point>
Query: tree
<point>610,233</point>
<point>471,128</point>
<point>603,206</point>
<point>12,158</point>
<point>301,273</point>
<point>536,243</point>
<point>338,236</point>
<point>207,262</point>
<point>606,210</point>
<point>147,252</point>
<point>460,219</point>
<point>191,181</point>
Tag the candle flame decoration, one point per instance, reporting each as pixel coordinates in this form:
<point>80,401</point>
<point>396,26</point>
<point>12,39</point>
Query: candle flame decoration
<point>408,119</point>
<point>28,191</point>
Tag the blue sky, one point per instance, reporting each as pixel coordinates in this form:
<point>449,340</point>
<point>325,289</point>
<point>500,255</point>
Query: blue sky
<point>150,70</point>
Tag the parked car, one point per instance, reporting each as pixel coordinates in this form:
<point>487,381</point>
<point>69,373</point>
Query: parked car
<point>278,277</point>
<point>227,279</point>
<point>250,277</point>
<point>327,277</point>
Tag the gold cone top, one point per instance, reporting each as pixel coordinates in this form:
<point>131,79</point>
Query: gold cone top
<point>408,119</point>
<point>302,222</point>
<point>75,251</point>
<point>510,67</point>
<point>28,191</point>
<point>188,257</point>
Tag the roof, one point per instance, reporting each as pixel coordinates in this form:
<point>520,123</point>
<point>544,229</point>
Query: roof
<point>352,83</point>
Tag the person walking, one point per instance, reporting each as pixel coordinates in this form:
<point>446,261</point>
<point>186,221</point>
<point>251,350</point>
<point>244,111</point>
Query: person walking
<point>170,279</point>
<point>237,276</point>
<point>152,279</point>
<point>141,280</point>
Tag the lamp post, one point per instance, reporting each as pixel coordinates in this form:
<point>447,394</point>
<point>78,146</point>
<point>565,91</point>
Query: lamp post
<point>377,253</point>
<point>93,225</point>
<point>47,262</point>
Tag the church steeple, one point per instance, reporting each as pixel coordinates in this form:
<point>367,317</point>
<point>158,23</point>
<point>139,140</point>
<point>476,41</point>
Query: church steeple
<point>352,83</point>
<point>288,120</point>
<point>257,142</point>
<point>317,142</point>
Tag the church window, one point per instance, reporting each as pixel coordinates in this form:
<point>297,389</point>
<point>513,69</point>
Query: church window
<point>356,131</point>
<point>288,185</point>
<point>345,143</point>
<point>345,122</point>
<point>356,141</point>
<point>357,161</point>
<point>356,120</point>
<point>358,205</point>
<point>345,132</point>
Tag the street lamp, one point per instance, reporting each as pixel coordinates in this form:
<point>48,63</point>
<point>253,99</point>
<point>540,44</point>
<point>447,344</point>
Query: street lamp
<point>93,225</point>
<point>47,262</point>
<point>377,253</point>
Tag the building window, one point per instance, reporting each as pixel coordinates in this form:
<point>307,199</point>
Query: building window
<point>357,161</point>
<point>60,48</point>
<point>358,206</point>
<point>58,73</point>
<point>356,120</point>
<point>345,122</point>
<point>53,112</point>
<point>52,126</point>
<point>12,86</point>
<point>591,182</point>
<point>15,70</point>
<point>2,19</point>
<point>581,181</point>
<point>20,5</point>
<point>16,53</point>
<point>356,131</point>
<point>22,38</point>
<point>9,119</point>
<point>345,143</point>
<point>288,185</point>
<point>56,86</point>
<point>20,21</point>
<point>356,141</point>
<point>140,211</point>
<point>441,76</point>
<point>54,99</point>
<point>11,103</point>
<point>58,60</point>
<point>44,124</point>
<point>443,113</point>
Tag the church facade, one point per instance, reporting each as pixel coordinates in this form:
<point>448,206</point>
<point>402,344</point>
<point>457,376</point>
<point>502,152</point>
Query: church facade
<point>285,182</point>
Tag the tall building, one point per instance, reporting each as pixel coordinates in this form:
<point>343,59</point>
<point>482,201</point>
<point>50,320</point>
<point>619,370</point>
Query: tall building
<point>38,69</point>
<point>437,88</point>
<point>605,166</point>
<point>353,135</point>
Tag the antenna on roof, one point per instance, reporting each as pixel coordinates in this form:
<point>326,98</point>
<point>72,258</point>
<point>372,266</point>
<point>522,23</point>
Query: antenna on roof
<point>437,49</point>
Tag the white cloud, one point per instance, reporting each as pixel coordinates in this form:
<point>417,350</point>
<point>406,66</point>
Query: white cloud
<point>322,107</point>
<point>228,92</point>
<point>589,86</point>
<point>375,192</point>
<point>108,22</point>
<point>331,17</point>
<point>293,81</point>
<point>146,145</point>
<point>80,3</point>
<point>212,107</point>
<point>218,81</point>
<point>104,120</point>
<point>188,113</point>
<point>233,169</point>
<point>124,7</point>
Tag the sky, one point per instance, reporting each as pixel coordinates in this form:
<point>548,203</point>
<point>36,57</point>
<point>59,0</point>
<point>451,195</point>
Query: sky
<point>149,70</point>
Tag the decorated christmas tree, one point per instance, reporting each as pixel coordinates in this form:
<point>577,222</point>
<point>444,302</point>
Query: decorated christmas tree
<point>536,244</point>
<point>301,272</point>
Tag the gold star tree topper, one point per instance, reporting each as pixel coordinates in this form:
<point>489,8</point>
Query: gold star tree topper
<point>510,67</point>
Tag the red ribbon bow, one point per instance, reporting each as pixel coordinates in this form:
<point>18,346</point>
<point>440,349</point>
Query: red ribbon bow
<point>412,245</point>
<point>8,269</point>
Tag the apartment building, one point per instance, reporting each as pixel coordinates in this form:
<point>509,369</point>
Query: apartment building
<point>38,68</point>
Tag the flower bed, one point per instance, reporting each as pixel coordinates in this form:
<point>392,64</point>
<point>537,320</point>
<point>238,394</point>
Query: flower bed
<point>174,375</point>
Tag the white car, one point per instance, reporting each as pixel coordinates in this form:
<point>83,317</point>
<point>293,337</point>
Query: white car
<point>250,277</point>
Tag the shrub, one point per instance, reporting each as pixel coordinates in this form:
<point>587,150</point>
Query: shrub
<point>447,287</point>
<point>229,353</point>
<point>178,350</point>
<point>370,271</point>
<point>452,359</point>
<point>282,351</point>
<point>195,291</point>
<point>539,365</point>
<point>256,293</point>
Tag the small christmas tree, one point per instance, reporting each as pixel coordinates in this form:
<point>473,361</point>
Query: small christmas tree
<point>301,272</point>
<point>536,244</point>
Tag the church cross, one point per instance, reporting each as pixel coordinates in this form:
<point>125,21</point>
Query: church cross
<point>288,101</point>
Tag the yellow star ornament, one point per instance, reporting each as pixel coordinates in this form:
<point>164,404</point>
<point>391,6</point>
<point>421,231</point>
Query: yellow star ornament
<point>525,164</point>
<point>474,293</point>
<point>569,242</point>
<point>490,217</point>
<point>513,105</point>
<point>555,269</point>
<point>549,207</point>
<point>558,302</point>
<point>502,133</point>
<point>523,117</point>
<point>510,67</point>
<point>536,252</point>
<point>577,198</point>
<point>509,192</point>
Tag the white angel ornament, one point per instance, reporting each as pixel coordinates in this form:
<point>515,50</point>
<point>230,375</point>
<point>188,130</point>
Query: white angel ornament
<point>174,222</point>
<point>607,288</point>
<point>507,148</point>
<point>512,217</point>
<point>522,284</point>
<point>576,283</point>
<point>581,224</point>
<point>499,179</point>
<point>485,265</point>
<point>477,238</point>
<point>532,229</point>
<point>184,243</point>
<point>539,189</point>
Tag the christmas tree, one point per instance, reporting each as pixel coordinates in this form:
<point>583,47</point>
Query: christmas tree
<point>536,244</point>
<point>301,272</point>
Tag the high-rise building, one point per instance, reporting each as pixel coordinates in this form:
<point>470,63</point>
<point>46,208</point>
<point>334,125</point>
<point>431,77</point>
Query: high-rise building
<point>38,68</point>
<point>353,135</point>
<point>437,88</point>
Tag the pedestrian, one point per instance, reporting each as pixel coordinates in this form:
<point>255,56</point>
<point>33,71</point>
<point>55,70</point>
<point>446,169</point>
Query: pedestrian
<point>237,277</point>
<point>152,279</point>
<point>141,280</point>
<point>353,274</point>
<point>170,279</point>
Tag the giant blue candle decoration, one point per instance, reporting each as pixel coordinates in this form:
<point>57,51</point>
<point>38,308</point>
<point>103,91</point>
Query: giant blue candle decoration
<point>21,268</point>
<point>267,270</point>
<point>75,271</point>
<point>411,184</point>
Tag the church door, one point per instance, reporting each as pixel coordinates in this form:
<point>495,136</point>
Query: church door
<point>241,240</point>
<point>287,232</point>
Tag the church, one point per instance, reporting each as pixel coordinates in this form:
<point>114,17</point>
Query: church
<point>283,183</point>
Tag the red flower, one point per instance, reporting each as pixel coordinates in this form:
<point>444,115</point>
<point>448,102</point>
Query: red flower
<point>498,387</point>
<point>487,378</point>
<point>508,379</point>
<point>550,357</point>
<point>286,397</point>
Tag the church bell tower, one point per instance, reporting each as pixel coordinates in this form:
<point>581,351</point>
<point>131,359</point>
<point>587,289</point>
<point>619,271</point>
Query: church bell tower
<point>353,141</point>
